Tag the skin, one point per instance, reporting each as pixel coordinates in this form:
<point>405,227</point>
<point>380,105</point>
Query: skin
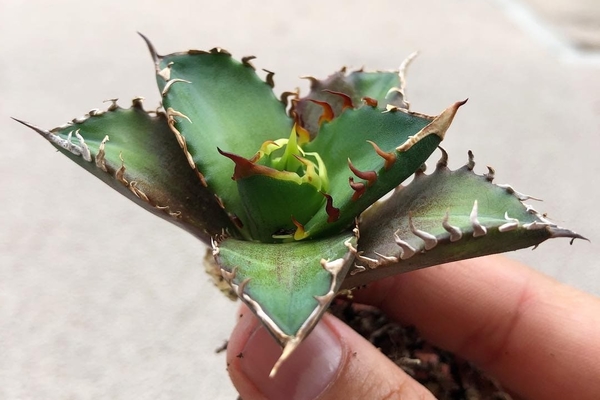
<point>539,337</point>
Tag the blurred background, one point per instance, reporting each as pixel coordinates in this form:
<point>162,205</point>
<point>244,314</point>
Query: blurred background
<point>98,299</point>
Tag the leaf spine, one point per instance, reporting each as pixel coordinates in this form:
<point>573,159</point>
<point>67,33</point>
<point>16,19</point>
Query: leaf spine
<point>327,114</point>
<point>346,100</point>
<point>478,229</point>
<point>454,231</point>
<point>443,161</point>
<point>332,212</point>
<point>369,101</point>
<point>429,239</point>
<point>369,176</point>
<point>389,158</point>
<point>407,251</point>
<point>170,83</point>
<point>358,187</point>
<point>269,79</point>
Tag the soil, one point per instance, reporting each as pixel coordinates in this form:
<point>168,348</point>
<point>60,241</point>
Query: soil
<point>447,376</point>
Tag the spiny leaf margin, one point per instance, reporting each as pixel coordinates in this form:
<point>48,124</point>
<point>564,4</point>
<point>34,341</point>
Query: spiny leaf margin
<point>134,152</point>
<point>443,217</point>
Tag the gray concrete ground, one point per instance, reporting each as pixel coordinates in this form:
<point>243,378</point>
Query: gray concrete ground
<point>577,21</point>
<point>101,300</point>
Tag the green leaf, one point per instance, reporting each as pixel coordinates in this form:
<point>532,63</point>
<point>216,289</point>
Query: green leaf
<point>289,285</point>
<point>214,101</point>
<point>407,140</point>
<point>136,154</point>
<point>279,201</point>
<point>410,231</point>
<point>263,196</point>
<point>385,87</point>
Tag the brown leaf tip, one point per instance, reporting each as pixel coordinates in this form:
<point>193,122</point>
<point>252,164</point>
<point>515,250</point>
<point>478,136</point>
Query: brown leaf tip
<point>243,166</point>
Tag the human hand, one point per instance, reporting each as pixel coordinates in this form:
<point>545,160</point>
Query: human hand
<point>540,338</point>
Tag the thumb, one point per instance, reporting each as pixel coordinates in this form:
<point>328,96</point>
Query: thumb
<point>333,362</point>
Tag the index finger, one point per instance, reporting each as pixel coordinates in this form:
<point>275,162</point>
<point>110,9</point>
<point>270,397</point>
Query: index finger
<point>539,337</point>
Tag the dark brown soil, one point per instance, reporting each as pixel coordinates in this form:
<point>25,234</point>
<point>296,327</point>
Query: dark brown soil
<point>447,376</point>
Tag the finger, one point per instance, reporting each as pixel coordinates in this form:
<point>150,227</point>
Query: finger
<point>539,337</point>
<point>334,362</point>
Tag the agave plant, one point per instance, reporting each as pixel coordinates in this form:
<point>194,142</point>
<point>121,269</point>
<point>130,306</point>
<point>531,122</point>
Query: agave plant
<point>286,190</point>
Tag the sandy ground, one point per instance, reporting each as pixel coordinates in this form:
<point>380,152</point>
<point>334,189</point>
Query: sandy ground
<point>98,299</point>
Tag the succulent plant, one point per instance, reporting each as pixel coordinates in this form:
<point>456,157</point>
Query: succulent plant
<point>287,190</point>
